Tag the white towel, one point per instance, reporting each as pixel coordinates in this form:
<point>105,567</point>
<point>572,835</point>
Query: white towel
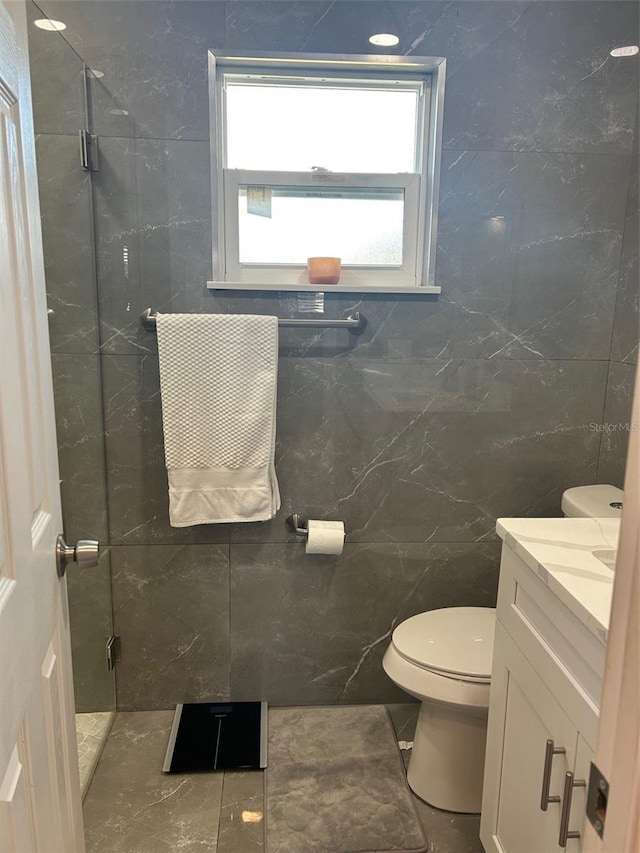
<point>218,375</point>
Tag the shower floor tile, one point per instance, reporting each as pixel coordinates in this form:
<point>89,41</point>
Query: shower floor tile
<point>133,807</point>
<point>91,733</point>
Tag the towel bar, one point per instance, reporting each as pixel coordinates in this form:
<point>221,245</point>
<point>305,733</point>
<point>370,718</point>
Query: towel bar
<point>356,323</point>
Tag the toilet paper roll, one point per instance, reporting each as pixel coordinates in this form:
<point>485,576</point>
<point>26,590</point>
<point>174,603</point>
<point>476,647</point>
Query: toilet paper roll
<point>325,537</point>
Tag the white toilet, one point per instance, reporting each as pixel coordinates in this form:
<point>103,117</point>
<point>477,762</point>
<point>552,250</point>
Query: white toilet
<point>443,657</point>
<point>592,502</point>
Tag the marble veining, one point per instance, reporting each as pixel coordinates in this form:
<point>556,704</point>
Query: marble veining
<point>402,449</point>
<point>90,616</point>
<point>171,611</point>
<point>67,229</point>
<point>80,434</point>
<point>132,806</point>
<point>447,413</point>
<point>67,235</point>
<point>153,234</point>
<point>624,348</point>
<point>57,80</point>
<point>560,552</point>
<point>548,103</point>
<point>322,624</point>
<point>616,423</point>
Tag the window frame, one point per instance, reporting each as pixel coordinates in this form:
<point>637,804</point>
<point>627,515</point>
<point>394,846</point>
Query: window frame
<point>421,189</point>
<point>249,273</point>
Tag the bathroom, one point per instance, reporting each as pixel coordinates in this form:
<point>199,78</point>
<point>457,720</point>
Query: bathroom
<point>486,400</point>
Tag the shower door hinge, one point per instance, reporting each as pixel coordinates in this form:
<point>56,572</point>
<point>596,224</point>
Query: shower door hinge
<point>113,652</point>
<point>88,151</point>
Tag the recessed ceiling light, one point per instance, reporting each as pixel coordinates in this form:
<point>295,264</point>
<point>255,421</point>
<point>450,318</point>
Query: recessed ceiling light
<point>384,40</point>
<point>93,72</point>
<point>631,50</point>
<point>50,25</point>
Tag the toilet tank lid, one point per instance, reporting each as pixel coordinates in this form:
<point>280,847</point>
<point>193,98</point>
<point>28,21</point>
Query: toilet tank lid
<point>592,502</point>
<point>452,640</point>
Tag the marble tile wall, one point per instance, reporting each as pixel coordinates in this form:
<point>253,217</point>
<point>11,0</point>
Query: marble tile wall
<point>445,414</point>
<point>171,607</point>
<point>624,343</point>
<point>616,424</point>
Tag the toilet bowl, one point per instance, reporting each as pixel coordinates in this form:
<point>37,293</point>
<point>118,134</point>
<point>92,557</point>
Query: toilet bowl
<point>443,658</point>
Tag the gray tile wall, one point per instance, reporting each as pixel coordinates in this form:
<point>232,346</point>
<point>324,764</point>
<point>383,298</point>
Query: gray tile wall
<point>624,343</point>
<point>444,415</point>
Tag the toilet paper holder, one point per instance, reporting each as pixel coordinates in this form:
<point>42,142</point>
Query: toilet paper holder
<point>297,524</point>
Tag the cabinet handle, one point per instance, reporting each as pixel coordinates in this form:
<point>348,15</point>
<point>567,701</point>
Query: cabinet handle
<point>549,752</point>
<point>569,784</point>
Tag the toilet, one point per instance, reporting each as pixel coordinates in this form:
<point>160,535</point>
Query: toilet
<point>443,658</point>
<point>592,502</point>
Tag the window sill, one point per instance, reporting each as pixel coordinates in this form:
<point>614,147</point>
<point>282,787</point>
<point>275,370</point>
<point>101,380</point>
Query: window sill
<point>324,288</point>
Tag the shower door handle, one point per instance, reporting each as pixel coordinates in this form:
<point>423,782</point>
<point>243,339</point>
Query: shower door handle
<point>85,554</point>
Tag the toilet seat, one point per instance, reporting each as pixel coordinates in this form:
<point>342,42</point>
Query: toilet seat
<point>425,684</point>
<point>453,642</point>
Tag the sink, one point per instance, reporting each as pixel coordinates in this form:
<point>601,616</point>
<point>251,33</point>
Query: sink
<point>607,557</point>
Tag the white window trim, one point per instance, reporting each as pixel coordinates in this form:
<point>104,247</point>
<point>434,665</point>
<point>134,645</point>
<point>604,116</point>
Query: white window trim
<point>423,192</point>
<point>297,273</point>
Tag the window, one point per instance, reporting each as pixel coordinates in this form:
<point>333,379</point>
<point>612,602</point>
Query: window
<point>323,155</point>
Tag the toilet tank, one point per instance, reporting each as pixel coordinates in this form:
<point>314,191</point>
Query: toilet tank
<point>592,502</point>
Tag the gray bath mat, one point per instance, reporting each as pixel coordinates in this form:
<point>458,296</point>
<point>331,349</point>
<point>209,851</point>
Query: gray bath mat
<point>336,784</point>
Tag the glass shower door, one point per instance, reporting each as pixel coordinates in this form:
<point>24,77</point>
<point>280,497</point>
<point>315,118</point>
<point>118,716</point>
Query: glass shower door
<point>60,112</point>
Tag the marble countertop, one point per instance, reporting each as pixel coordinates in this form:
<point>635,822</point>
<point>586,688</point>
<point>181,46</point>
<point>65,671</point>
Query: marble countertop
<point>559,551</point>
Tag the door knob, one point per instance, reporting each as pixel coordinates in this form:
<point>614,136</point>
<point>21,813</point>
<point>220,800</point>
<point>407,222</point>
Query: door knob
<point>85,554</point>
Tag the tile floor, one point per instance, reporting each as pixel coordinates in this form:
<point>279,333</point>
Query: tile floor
<point>91,731</point>
<point>132,807</point>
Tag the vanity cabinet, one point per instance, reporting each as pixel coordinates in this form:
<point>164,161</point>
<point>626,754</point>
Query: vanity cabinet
<point>545,690</point>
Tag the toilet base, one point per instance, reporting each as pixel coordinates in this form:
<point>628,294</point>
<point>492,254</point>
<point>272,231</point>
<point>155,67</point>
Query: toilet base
<point>447,761</point>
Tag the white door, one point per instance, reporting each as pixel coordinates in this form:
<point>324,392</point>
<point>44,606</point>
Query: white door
<point>40,807</point>
<point>618,752</point>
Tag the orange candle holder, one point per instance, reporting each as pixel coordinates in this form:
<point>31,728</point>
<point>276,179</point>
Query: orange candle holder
<point>323,270</point>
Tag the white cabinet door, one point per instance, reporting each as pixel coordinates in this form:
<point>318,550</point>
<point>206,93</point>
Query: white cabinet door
<point>40,807</point>
<point>522,717</point>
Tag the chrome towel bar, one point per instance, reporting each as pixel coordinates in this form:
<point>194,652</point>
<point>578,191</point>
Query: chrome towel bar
<point>356,323</point>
